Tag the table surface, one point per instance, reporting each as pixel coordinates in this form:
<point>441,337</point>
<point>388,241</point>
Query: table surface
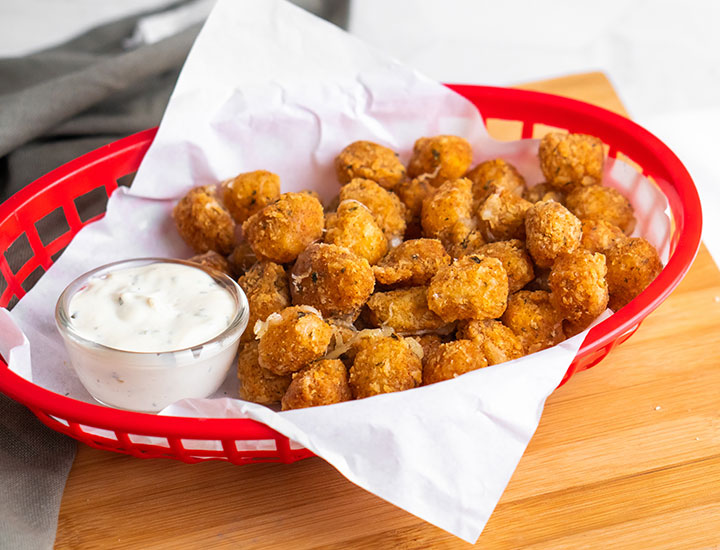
<point>627,455</point>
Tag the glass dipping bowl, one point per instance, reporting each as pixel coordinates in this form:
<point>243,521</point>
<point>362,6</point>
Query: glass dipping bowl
<point>150,381</point>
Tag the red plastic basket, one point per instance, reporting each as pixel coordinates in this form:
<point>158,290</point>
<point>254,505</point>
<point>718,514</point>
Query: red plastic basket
<point>245,441</point>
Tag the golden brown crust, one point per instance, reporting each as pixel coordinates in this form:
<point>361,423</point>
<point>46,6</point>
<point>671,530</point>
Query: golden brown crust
<point>502,216</point>
<point>293,339</point>
<point>387,208</point>
<point>470,245</point>
<point>249,192</point>
<point>600,236</point>
<point>404,310</point>
<point>266,288</point>
<point>569,160</point>
<point>241,258</point>
<point>203,223</point>
<point>493,175</point>
<point>371,161</point>
<point>439,159</point>
<point>413,262</point>
<point>631,266</point>
<point>447,214</point>
<point>323,382</point>
<point>543,192</point>
<point>213,260</point>
<point>551,230</point>
<point>453,359</point>
<point>354,227</point>
<point>281,230</point>
<point>596,202</point>
<point>472,287</point>
<point>498,342</point>
<point>257,384</point>
<point>532,317</point>
<point>331,279</point>
<point>384,364</point>
<point>412,193</point>
<point>515,260</point>
<point>578,287</point>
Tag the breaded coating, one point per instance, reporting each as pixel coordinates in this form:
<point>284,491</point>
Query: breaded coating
<point>498,342</point>
<point>404,310</point>
<point>600,236</point>
<point>439,159</point>
<point>453,359</point>
<point>250,192</point>
<point>354,227</point>
<point>332,279</point>
<point>213,260</point>
<point>292,339</point>
<point>447,214</point>
<point>203,223</point>
<point>515,260</point>
<point>281,230</point>
<point>569,160</point>
<point>574,328</point>
<point>429,343</point>
<point>387,208</point>
<point>473,242</point>
<point>596,202</point>
<point>502,216</point>
<point>257,384</point>
<point>370,161</point>
<point>540,282</point>
<point>414,262</point>
<point>385,364</point>
<point>241,258</point>
<point>535,321</point>
<point>551,230</point>
<point>543,192</point>
<point>323,382</point>
<point>578,287</point>
<point>631,266</point>
<point>266,287</point>
<point>412,193</point>
<point>493,175</point>
<point>472,287</point>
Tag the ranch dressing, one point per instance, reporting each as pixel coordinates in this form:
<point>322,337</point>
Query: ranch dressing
<point>152,308</point>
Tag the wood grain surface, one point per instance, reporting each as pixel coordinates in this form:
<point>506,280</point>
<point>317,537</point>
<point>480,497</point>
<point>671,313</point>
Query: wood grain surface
<point>627,456</point>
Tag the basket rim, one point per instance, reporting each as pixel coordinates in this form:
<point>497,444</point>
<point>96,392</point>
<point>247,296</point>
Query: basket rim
<point>600,336</point>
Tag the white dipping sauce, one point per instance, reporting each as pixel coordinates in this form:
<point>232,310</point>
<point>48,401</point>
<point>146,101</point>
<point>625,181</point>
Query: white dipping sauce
<point>152,308</point>
<point>168,331</point>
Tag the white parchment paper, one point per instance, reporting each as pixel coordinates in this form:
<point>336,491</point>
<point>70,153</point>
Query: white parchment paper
<point>268,86</point>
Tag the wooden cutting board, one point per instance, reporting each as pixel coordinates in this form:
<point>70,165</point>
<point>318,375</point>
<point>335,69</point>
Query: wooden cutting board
<point>627,455</point>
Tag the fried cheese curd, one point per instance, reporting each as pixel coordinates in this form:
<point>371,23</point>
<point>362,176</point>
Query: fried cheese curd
<point>447,214</point>
<point>429,343</point>
<point>515,260</point>
<point>323,382</point>
<point>596,202</point>
<point>203,222</point>
<point>470,245</point>
<point>387,208</point>
<point>491,176</point>
<point>213,260</point>
<point>257,384</point>
<point>551,230</point>
<point>247,193</point>
<point>332,279</point>
<point>370,161</point>
<point>283,228</point>
<point>266,287</point>
<point>600,236</point>
<point>535,321</point>
<point>452,359</point>
<point>570,160</point>
<point>292,339</point>
<point>631,266</point>
<point>472,287</point>
<point>498,342</point>
<point>502,216</point>
<point>404,310</point>
<point>412,193</point>
<point>385,364</point>
<point>578,288</point>
<point>413,262</point>
<point>354,227</point>
<point>543,192</point>
<point>439,159</point>
<point>241,258</point>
